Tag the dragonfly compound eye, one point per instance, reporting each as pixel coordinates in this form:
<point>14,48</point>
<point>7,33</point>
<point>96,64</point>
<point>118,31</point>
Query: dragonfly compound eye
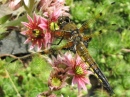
<point>63,20</point>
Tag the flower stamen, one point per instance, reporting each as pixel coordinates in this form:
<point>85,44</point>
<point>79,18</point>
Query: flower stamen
<point>56,82</point>
<point>36,33</point>
<point>54,26</point>
<point>79,70</point>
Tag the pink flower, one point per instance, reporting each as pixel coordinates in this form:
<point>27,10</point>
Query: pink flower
<point>37,32</point>
<point>57,79</point>
<point>14,4</point>
<point>78,70</point>
<point>44,4</point>
<point>54,12</point>
<point>58,76</point>
<point>74,67</point>
<point>46,94</point>
<point>57,61</point>
<point>54,8</point>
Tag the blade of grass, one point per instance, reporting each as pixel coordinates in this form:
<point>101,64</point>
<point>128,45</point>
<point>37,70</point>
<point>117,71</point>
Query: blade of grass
<point>18,94</point>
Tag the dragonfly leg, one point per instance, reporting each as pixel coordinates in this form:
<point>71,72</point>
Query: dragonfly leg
<point>60,35</point>
<point>56,43</point>
<point>60,40</point>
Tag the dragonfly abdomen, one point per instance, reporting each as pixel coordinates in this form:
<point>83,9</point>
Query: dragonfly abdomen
<point>83,53</point>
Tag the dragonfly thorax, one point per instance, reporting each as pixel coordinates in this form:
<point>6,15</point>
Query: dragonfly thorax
<point>75,37</point>
<point>66,24</point>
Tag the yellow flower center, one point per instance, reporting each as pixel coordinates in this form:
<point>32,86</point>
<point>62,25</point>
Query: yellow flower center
<point>36,33</point>
<point>78,70</point>
<point>53,26</point>
<point>56,82</point>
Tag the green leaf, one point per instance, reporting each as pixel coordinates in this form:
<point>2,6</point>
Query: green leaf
<point>30,6</point>
<point>17,22</point>
<point>5,18</point>
<point>3,32</point>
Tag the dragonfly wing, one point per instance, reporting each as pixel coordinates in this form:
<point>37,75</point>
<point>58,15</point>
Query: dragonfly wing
<point>86,25</point>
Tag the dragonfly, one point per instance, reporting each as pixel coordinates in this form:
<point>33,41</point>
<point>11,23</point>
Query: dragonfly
<point>78,43</point>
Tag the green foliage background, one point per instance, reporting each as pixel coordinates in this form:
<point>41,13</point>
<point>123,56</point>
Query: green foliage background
<point>110,49</point>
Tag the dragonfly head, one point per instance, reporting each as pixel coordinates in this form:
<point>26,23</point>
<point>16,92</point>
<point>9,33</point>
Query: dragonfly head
<point>63,20</point>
